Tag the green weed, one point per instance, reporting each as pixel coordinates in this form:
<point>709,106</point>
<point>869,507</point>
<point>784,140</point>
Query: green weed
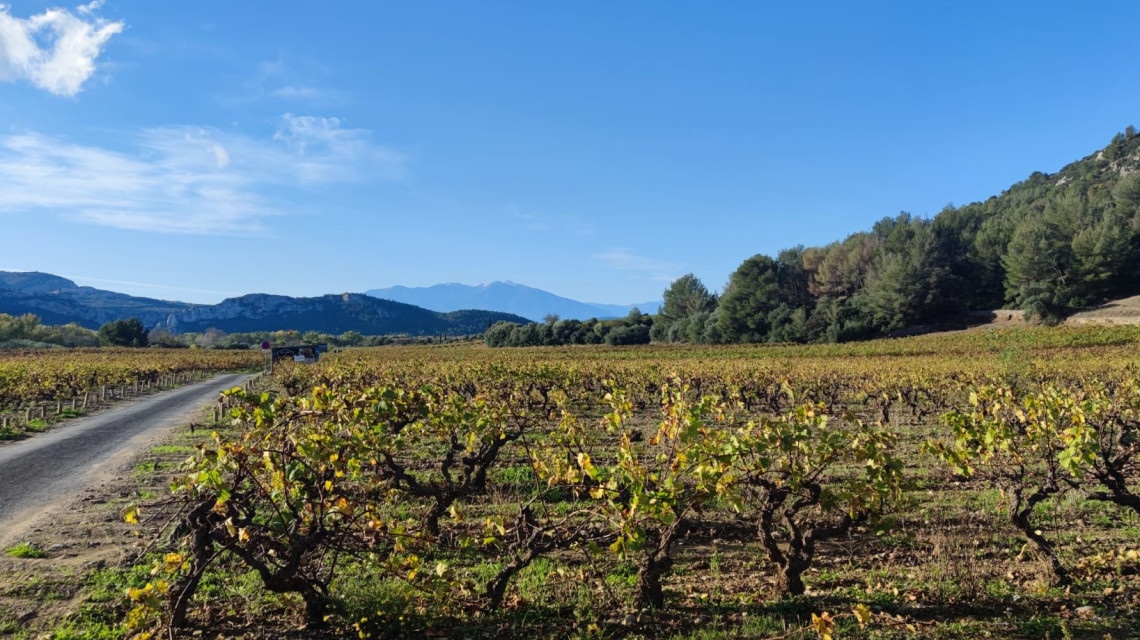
<point>25,550</point>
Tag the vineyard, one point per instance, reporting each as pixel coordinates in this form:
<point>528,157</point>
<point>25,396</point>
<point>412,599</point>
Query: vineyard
<point>37,385</point>
<point>955,486</point>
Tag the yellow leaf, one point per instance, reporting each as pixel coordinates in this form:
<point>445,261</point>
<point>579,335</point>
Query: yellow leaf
<point>823,625</point>
<point>586,465</point>
<point>172,562</point>
<point>862,614</point>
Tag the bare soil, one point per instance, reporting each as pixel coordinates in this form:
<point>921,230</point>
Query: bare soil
<point>1123,311</point>
<point>81,536</point>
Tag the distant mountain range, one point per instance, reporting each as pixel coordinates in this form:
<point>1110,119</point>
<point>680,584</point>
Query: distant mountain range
<point>58,300</point>
<point>506,297</point>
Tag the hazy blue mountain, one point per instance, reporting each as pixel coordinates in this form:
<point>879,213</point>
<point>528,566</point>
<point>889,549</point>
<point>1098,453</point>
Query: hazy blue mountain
<point>58,300</point>
<point>507,297</point>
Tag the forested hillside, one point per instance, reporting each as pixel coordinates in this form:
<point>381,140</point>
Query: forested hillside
<point>1047,245</point>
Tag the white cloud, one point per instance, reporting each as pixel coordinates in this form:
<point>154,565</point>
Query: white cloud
<point>91,7</point>
<point>624,260</point>
<point>54,50</point>
<point>187,179</point>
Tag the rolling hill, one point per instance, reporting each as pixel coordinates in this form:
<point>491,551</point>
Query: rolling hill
<point>58,300</point>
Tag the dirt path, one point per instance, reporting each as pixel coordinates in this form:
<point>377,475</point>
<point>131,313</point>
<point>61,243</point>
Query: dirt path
<point>1123,311</point>
<point>39,474</point>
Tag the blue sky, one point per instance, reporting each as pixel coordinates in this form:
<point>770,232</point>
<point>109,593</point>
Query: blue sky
<point>198,150</point>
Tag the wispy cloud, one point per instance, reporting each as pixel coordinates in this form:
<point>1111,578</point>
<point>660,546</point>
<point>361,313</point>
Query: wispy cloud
<point>146,285</point>
<point>624,260</point>
<point>291,92</point>
<point>55,50</point>
<point>544,223</point>
<point>287,80</point>
<point>324,151</point>
<point>182,179</point>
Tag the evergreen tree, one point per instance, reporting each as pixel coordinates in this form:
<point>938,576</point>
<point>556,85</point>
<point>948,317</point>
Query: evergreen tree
<point>752,293</point>
<point>1037,266</point>
<point>123,333</point>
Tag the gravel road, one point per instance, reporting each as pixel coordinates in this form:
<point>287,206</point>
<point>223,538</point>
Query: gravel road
<point>59,464</point>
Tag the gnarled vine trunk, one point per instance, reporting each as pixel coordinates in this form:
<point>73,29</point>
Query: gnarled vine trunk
<point>1020,509</point>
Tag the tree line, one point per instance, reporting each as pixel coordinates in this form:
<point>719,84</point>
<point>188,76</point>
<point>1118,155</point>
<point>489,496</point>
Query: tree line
<point>1048,245</point>
<point>28,331</point>
<point>635,328</point>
